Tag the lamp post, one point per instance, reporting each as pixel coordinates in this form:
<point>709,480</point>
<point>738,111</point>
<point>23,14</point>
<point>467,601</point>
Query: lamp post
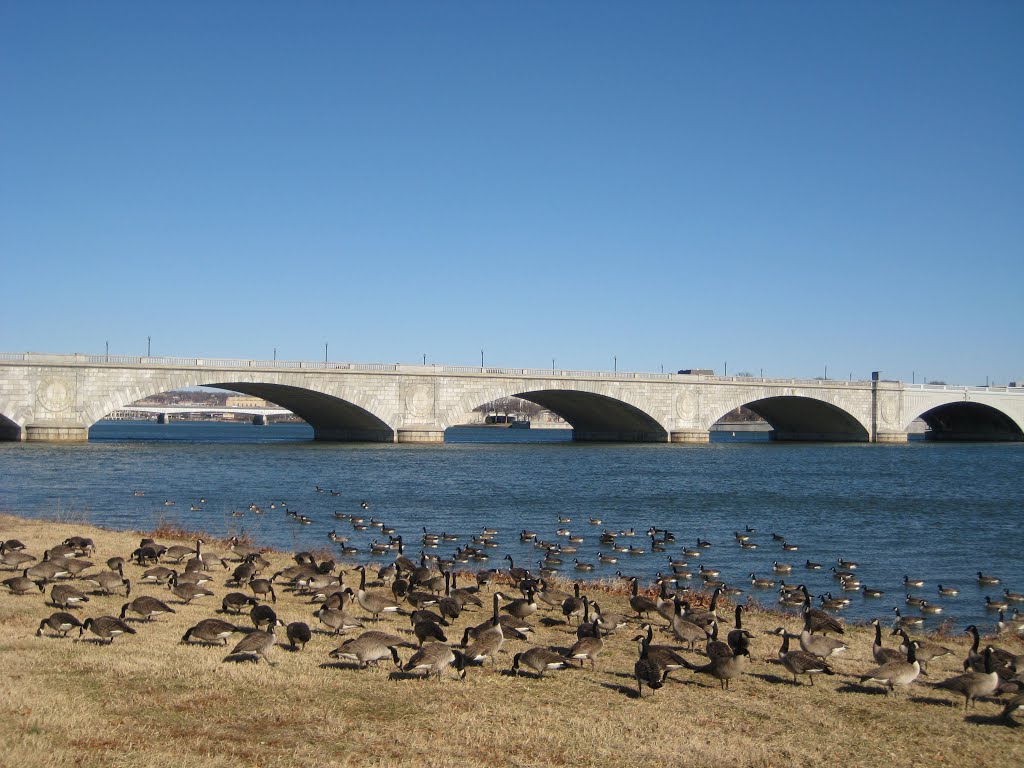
<point>481,358</point>
<point>149,342</point>
<point>552,365</point>
<point>275,354</point>
<point>108,351</point>
<point>424,358</point>
<point>325,351</point>
<point>615,364</point>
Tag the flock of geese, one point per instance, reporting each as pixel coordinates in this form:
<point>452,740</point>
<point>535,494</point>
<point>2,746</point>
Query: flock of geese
<point>426,592</point>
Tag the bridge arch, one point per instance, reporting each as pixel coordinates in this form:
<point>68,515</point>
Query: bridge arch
<point>958,419</point>
<point>593,414</point>
<point>800,417</point>
<point>333,416</point>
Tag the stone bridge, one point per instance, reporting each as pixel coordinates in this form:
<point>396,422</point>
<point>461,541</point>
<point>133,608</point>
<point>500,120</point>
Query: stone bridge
<point>47,397</point>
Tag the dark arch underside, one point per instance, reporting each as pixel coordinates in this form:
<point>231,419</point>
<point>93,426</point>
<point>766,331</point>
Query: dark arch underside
<point>970,421</point>
<point>803,418</point>
<point>599,418</point>
<point>330,417</point>
<point>9,430</point>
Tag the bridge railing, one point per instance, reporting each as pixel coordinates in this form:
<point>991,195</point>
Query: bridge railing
<point>207,362</point>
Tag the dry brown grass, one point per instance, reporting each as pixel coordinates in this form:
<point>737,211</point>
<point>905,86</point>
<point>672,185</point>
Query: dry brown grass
<point>148,701</point>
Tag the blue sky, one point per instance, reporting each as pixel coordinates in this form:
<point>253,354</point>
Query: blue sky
<point>780,186</point>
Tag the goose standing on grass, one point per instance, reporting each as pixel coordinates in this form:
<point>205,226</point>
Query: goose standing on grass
<point>642,604</point>
<point>209,631</point>
<point>973,684</point>
<point>799,662</point>
<point>105,628</point>
<point>926,649</point>
<point>63,596</point>
<point>646,671</point>
<point>187,592</point>
<point>895,673</point>
<point>370,647</point>
<point>1001,659</point>
<point>145,606</point>
<point>588,647</point>
<point>880,653</point>
<point>540,660</point>
<point>257,644</point>
<point>23,585</point>
<point>374,603</point>
<point>686,631</point>
<point>59,622</point>
<point>817,620</point>
<point>821,646</point>
<point>434,659</point>
<point>726,667</point>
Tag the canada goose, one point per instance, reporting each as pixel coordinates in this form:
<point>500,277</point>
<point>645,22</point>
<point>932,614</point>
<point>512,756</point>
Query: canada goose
<point>1000,658</point>
<point>105,628</point>
<point>880,653</point>
<point>703,617</point>
<point>973,683</point>
<point>336,620</point>
<point>686,631</point>
<point>605,558</point>
<point>995,605</point>
<point>895,673</point>
<point>210,631</point>
<point>262,588</point>
<point>948,591</point>
<point>179,552</point>
<point>646,671</point>
<point>147,607</point>
<point>747,545</point>
<point>987,581</point>
<point>48,570</point>
<point>640,603</point>
<point>588,647</point>
<point>1016,704</point>
<point>608,622</point>
<point>23,585</point>
<point>374,603</point>
<point>187,592</point>
<point>1013,597</point>
<point>63,596</point>
<point>812,566</point>
<point>59,622</point>
<point>14,558</point>
<point>298,634</point>
<point>800,662</point>
<point>540,660</point>
<point>465,595</point>
<point>821,646</point>
<point>664,602</point>
<point>782,567</point>
<point>816,619</point>
<point>906,621</point>
<point>108,582</point>
<point>761,583</point>
<point>725,667</point>
<point>582,566</point>
<point>790,547</point>
<point>519,607</point>
<point>434,659</point>
<point>262,615</point>
<point>488,639</point>
<point>234,602</point>
<point>257,643</point>
<point>1013,626</point>
<point>158,575</point>
<point>929,608</point>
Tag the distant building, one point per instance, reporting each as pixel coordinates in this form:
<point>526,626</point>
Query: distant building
<point>245,401</point>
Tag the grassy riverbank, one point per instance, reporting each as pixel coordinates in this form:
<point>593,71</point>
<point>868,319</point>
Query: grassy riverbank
<point>149,701</point>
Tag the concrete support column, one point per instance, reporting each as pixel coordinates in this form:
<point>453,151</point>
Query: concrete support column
<point>420,435</point>
<point>163,418</point>
<point>891,437</point>
<point>594,436</point>
<point>691,437</point>
<point>259,419</point>
<point>56,433</point>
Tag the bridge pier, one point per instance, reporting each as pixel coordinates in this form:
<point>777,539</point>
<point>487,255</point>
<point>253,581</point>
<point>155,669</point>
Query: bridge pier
<point>420,435</point>
<point>163,418</point>
<point>55,433</point>
<point>891,437</point>
<point>259,419</point>
<point>691,437</point>
<point>816,437</point>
